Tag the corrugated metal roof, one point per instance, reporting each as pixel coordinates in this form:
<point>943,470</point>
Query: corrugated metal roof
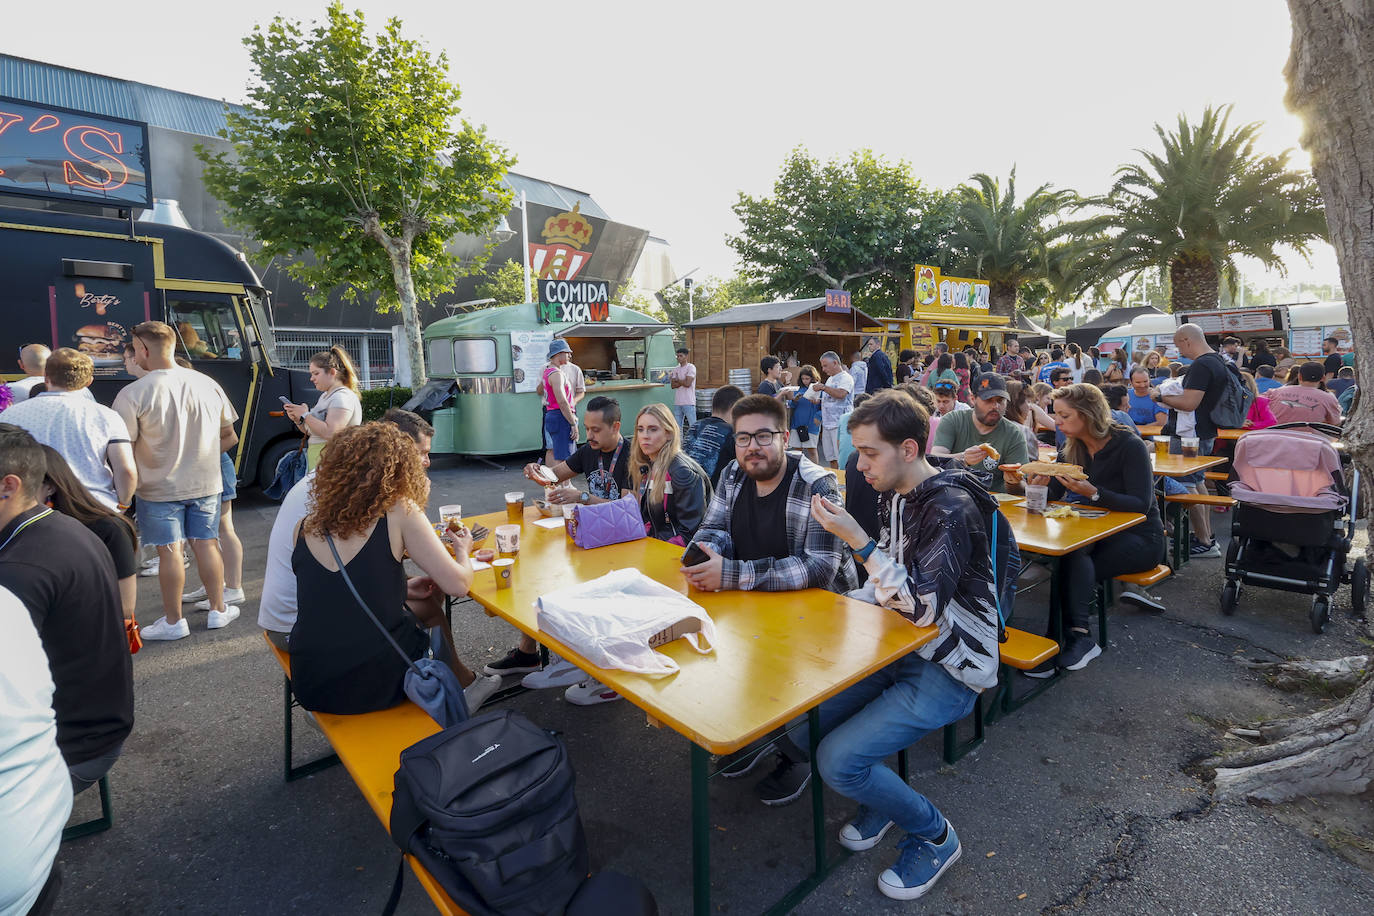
<point>760,312</point>
<point>538,191</point>
<point>49,84</point>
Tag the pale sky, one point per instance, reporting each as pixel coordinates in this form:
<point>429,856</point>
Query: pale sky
<point>664,113</point>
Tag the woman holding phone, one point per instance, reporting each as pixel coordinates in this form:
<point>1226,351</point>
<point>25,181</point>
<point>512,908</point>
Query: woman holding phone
<point>338,408</point>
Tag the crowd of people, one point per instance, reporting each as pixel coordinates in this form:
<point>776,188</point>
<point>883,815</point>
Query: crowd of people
<point>921,449</point>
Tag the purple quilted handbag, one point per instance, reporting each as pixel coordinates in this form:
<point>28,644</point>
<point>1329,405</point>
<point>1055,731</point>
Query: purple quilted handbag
<point>614,522</point>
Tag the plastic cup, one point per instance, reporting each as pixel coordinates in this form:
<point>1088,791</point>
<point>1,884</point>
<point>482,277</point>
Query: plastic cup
<point>504,571</point>
<point>568,510</point>
<point>515,507</point>
<point>451,516</point>
<point>1161,447</point>
<point>1190,446</point>
<point>508,539</point>
<point>1037,498</point>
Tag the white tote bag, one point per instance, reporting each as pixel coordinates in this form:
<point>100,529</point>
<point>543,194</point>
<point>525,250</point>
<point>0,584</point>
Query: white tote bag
<point>609,621</point>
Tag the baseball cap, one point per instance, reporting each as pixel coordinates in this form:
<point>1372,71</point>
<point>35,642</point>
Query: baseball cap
<point>559,345</point>
<point>989,385</point>
<point>1312,372</point>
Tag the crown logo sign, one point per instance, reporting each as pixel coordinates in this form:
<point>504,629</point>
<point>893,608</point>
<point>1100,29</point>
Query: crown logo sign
<point>569,228</point>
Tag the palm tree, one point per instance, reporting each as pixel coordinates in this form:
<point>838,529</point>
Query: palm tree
<point>1206,199</point>
<point>1003,241</point>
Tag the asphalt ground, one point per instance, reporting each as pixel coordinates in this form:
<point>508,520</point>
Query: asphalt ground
<point>1081,802</point>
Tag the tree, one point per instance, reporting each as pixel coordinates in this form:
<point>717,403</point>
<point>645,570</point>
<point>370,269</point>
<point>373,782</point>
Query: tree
<point>860,224</point>
<point>1003,241</point>
<point>710,296</point>
<point>349,152</point>
<point>1207,198</point>
<point>1329,71</point>
<point>505,284</point>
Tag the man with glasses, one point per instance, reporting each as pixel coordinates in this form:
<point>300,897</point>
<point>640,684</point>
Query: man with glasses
<point>759,534</point>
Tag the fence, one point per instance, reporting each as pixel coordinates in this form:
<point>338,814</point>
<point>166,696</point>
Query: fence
<point>370,350</point>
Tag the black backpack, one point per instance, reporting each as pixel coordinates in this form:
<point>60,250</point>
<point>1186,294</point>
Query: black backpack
<point>1232,408</point>
<point>488,808</point>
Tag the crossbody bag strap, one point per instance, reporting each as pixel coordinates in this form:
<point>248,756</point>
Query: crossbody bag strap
<point>363,604</point>
<point>997,582</point>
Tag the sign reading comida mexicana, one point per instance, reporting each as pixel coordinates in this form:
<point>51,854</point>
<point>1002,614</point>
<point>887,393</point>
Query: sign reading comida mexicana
<point>574,301</point>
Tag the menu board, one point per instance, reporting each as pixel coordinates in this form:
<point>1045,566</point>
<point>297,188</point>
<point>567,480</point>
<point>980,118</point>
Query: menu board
<point>1143,342</point>
<point>1308,341</point>
<point>529,353</point>
<point>96,316</point>
<point>1236,321</point>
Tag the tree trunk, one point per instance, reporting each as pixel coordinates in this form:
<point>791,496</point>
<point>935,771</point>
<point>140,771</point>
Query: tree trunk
<point>1002,300</point>
<point>1195,284</point>
<point>410,317</point>
<point>1331,87</point>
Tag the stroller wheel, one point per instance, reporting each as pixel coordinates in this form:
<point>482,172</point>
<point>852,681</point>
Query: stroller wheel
<point>1359,587</point>
<point>1321,610</point>
<point>1229,593</point>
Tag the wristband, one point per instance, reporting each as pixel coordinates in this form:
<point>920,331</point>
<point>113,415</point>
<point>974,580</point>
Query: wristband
<point>866,551</point>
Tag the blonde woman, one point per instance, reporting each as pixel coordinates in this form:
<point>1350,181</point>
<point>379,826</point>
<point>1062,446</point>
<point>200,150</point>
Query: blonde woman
<point>673,489</point>
<point>331,372</point>
<point>1121,478</point>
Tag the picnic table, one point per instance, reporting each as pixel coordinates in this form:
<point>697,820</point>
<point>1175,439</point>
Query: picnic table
<point>1157,429</point>
<point>777,655</point>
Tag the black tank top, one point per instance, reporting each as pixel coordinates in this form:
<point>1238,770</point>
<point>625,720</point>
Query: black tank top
<point>340,662</point>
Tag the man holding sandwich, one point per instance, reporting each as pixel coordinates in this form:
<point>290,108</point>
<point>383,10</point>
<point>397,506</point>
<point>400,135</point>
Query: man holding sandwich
<point>983,436</point>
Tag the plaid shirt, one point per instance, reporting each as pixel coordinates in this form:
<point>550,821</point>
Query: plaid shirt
<point>1009,363</point>
<point>818,559</point>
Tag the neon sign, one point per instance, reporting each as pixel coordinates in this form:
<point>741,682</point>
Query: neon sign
<point>52,152</point>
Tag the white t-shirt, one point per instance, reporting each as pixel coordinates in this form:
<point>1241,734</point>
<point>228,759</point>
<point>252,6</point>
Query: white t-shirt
<point>21,388</point>
<point>576,380</point>
<point>343,398</point>
<point>174,417</point>
<point>81,430</point>
<point>35,789</point>
<point>833,408</point>
<point>684,395</point>
<point>277,609</point>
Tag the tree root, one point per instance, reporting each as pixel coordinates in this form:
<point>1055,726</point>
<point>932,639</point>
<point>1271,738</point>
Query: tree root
<point>1334,677</point>
<point>1328,752</point>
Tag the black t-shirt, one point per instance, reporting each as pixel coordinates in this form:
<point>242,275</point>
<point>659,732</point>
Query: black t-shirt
<point>1333,363</point>
<point>768,388</point>
<point>1208,375</point>
<point>66,579</point>
<point>758,524</point>
<point>119,541</point>
<point>608,473</point>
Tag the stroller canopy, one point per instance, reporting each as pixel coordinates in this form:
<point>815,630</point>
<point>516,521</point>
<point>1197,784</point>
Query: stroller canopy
<point>1288,470</point>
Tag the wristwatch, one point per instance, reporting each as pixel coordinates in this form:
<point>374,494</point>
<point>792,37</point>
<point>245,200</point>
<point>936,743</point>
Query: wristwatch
<point>866,551</point>
<point>1096,494</point>
<point>584,497</point>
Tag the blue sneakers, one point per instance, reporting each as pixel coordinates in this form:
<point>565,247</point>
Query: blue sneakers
<point>866,830</point>
<point>919,866</point>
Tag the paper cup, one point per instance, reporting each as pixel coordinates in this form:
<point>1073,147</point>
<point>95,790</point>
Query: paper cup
<point>504,571</point>
<point>508,538</point>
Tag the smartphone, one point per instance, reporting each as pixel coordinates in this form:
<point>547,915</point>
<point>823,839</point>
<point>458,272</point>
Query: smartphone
<point>694,556</point>
<point>284,399</point>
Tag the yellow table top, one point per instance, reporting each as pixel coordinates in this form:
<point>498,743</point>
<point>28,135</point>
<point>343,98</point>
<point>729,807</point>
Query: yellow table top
<point>1178,466</point>
<point>777,654</point>
<point>1157,429</point>
<point>1055,537</point>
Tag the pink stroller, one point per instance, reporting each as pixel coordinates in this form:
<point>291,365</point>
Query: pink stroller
<point>1294,521</point>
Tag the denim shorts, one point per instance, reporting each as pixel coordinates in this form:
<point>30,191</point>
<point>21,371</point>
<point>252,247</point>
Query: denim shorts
<point>558,435</point>
<point>162,524</point>
<point>229,478</point>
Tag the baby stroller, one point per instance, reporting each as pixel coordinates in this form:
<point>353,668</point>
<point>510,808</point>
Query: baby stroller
<point>1294,519</point>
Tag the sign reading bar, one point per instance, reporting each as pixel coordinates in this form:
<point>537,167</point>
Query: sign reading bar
<point>955,295</point>
<point>574,301</point>
<point>62,154</point>
<point>837,300</point>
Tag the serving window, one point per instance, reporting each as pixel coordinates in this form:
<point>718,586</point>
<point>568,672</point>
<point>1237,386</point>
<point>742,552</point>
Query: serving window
<point>206,328</point>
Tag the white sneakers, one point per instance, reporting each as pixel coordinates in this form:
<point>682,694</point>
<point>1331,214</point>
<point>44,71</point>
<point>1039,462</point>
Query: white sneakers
<point>590,692</point>
<point>161,629</point>
<point>559,673</point>
<point>217,619</point>
<point>481,690</point>
<point>231,596</point>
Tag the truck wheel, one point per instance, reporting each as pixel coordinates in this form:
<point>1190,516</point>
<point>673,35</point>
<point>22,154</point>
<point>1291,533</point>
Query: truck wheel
<point>271,457</point>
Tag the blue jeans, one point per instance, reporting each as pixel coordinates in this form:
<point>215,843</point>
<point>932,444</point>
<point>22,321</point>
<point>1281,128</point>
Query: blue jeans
<point>882,714</point>
<point>685,415</point>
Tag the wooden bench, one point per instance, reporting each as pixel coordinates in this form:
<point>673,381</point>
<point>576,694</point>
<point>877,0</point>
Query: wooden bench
<point>369,745</point>
<point>1022,651</point>
<point>1105,597</point>
<point>1177,507</point>
<point>1219,476</point>
<point>96,824</point>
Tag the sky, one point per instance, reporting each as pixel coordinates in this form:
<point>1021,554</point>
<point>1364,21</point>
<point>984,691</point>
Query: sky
<point>664,113</point>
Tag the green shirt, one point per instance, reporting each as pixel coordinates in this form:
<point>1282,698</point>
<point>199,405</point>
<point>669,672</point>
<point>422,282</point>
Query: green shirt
<point>957,433</point>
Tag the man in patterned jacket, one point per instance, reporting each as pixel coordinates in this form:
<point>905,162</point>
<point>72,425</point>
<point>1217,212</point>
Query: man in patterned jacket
<point>935,566</point>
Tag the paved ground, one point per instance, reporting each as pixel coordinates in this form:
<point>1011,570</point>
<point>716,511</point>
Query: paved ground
<point>1078,803</point>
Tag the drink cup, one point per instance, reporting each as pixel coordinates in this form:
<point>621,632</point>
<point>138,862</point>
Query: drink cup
<point>568,510</point>
<point>508,539</point>
<point>1190,446</point>
<point>1161,447</point>
<point>504,571</point>
<point>451,516</point>
<point>515,507</point>
<point>1037,498</point>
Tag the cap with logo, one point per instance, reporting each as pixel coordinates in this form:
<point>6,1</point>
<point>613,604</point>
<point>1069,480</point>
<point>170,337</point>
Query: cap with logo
<point>989,385</point>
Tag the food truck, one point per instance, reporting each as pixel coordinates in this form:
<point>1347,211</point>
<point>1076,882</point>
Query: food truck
<point>952,310</point>
<point>1301,328</point>
<point>487,365</point>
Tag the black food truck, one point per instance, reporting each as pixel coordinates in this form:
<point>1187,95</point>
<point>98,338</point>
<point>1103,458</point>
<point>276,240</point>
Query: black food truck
<point>84,279</point>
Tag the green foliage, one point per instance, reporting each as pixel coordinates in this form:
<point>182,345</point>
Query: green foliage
<point>349,152</point>
<point>1006,241</point>
<point>376,401</point>
<point>1206,198</point>
<point>505,284</point>
<point>861,224</point>
<point>710,296</point>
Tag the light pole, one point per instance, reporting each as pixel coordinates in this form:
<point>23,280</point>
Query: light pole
<point>691,310</point>
<point>525,244</point>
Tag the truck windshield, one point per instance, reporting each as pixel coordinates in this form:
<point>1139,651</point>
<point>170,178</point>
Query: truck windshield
<point>206,327</point>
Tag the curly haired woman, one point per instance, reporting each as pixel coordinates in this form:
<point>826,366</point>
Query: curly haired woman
<point>369,496</point>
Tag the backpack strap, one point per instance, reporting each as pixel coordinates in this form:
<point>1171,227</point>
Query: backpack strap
<point>997,581</point>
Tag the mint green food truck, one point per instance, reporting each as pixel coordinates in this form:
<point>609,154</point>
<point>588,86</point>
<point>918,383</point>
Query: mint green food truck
<point>495,358</point>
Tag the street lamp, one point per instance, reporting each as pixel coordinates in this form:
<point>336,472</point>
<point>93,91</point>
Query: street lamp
<point>686,281</point>
<point>525,244</point>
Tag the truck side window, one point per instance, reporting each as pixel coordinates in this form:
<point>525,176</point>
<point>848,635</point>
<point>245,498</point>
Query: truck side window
<point>206,329</point>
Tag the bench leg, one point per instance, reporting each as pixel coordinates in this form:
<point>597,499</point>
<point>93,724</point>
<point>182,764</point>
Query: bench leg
<point>904,766</point>
<point>96,825</point>
<point>1104,601</point>
<point>954,750</point>
<point>292,773</point>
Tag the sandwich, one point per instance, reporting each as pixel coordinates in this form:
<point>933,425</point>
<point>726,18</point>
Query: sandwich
<point>1052,469</point>
<point>101,342</point>
<point>992,452</point>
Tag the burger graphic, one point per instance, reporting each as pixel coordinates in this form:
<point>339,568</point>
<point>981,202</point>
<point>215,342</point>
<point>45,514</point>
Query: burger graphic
<point>102,342</point>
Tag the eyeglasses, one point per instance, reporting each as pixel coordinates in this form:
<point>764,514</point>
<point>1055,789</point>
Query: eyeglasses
<point>763,437</point>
